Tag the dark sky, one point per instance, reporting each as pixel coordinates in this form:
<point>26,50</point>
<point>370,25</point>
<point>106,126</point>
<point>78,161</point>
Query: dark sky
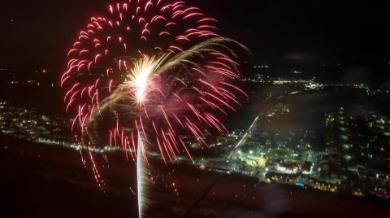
<point>39,32</point>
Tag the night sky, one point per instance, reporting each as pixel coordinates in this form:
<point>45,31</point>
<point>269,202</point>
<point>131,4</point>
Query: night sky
<point>38,33</point>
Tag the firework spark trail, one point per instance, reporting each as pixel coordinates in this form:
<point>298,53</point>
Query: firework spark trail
<point>244,137</point>
<point>149,69</point>
<point>141,174</point>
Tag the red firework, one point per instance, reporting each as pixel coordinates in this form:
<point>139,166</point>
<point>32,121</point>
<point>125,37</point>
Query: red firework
<point>185,93</point>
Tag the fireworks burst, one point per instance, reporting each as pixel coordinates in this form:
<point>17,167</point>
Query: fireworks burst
<point>150,68</point>
<point>114,76</point>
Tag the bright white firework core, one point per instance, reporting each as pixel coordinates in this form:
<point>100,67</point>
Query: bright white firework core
<point>140,77</point>
<point>141,83</point>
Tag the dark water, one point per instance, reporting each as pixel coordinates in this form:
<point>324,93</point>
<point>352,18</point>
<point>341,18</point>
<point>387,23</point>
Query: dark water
<point>55,184</point>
